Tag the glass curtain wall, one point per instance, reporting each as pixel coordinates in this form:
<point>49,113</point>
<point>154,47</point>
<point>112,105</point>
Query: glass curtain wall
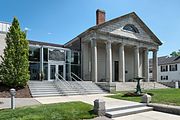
<point>34,60</point>
<point>68,64</point>
<point>75,63</point>
<point>40,58</point>
<point>45,63</point>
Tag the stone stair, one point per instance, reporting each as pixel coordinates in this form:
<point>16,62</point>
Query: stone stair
<point>127,110</point>
<point>43,89</point>
<point>59,88</point>
<point>91,88</point>
<point>67,88</point>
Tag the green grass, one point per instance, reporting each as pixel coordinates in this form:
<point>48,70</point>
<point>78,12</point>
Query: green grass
<point>60,111</point>
<point>163,96</point>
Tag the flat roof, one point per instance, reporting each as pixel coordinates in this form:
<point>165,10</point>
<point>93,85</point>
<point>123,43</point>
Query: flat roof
<point>34,42</point>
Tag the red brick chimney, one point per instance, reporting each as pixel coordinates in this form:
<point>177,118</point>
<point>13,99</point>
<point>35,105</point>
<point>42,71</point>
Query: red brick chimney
<point>100,16</point>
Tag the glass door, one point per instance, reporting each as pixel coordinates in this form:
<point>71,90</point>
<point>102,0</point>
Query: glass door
<point>52,72</point>
<point>56,69</point>
<point>60,70</point>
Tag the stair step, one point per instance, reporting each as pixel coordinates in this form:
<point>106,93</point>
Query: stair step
<point>119,113</point>
<point>126,107</point>
<point>45,92</point>
<point>46,88</point>
<point>47,95</point>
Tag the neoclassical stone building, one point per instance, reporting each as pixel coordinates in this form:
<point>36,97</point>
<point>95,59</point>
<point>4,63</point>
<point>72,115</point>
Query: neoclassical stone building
<point>113,51</point>
<point>116,50</point>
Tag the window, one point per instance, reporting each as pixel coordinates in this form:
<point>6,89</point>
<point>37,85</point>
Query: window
<point>75,58</point>
<point>150,70</point>
<point>45,54</point>
<point>56,55</point>
<point>131,28</point>
<point>164,68</point>
<point>164,77</point>
<point>34,54</point>
<point>173,67</point>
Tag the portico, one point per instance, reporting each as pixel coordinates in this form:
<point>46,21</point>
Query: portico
<point>116,51</point>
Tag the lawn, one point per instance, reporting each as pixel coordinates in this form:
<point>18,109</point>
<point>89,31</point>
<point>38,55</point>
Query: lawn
<point>60,111</point>
<point>163,96</point>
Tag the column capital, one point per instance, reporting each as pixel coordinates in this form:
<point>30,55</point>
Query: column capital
<point>121,44</point>
<point>108,42</point>
<point>93,38</point>
<point>154,50</point>
<point>136,47</point>
<point>145,49</point>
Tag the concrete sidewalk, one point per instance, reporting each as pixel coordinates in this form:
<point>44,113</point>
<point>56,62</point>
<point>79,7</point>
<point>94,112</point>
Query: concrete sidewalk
<point>110,103</point>
<point>20,102</point>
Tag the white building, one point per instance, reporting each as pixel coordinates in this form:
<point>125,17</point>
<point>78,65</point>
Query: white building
<point>168,69</point>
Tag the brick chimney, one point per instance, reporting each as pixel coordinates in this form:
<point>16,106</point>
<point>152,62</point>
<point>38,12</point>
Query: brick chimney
<point>100,16</point>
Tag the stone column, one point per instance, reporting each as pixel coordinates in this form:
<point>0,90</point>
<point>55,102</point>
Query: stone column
<point>94,60</point>
<point>121,63</point>
<point>146,65</point>
<point>136,64</point>
<point>108,61</point>
<point>155,66</point>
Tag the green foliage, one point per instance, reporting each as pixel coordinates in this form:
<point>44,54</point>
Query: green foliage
<point>175,54</point>
<point>15,65</point>
<point>60,111</point>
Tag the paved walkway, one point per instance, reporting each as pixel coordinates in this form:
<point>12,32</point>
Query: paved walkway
<point>20,102</point>
<point>151,115</point>
<point>111,103</point>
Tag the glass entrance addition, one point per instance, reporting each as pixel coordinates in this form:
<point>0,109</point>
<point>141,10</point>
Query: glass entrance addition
<point>56,69</point>
<point>52,72</point>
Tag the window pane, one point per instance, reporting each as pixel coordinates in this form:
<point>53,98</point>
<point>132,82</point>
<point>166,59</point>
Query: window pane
<point>34,69</point>
<point>131,27</point>
<point>34,54</point>
<point>68,56</point>
<point>45,67</point>
<point>76,69</point>
<point>56,55</point>
<point>75,58</point>
<point>45,54</point>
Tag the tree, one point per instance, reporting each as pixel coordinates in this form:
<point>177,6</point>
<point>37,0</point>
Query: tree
<point>15,65</point>
<point>175,54</point>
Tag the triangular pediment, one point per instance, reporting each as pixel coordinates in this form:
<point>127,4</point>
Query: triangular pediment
<point>116,26</point>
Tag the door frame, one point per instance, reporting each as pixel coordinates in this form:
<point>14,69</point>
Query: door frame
<point>116,71</point>
<point>56,68</point>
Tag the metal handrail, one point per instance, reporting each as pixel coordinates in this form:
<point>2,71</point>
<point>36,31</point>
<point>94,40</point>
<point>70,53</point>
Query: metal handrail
<point>63,79</point>
<point>76,76</point>
<point>77,80</point>
<point>58,85</point>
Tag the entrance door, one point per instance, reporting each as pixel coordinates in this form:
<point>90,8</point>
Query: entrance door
<point>61,71</point>
<point>116,71</point>
<point>52,72</point>
<point>56,69</point>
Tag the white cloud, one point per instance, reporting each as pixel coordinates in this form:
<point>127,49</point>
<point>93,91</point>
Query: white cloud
<point>49,33</point>
<point>27,29</point>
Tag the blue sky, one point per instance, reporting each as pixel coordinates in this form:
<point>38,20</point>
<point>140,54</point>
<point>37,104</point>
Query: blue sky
<point>59,21</point>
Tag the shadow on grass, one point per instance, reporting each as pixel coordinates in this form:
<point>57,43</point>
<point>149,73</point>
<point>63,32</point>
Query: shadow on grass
<point>91,112</point>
